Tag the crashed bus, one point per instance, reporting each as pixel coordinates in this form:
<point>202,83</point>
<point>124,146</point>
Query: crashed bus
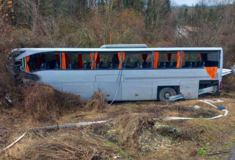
<point>126,72</point>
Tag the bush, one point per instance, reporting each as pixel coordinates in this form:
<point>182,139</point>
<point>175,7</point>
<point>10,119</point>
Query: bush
<point>45,104</point>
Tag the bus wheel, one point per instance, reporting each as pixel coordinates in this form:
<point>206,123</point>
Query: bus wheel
<point>166,93</point>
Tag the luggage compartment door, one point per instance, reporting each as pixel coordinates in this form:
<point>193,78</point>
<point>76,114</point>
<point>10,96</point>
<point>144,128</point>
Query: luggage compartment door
<point>137,91</point>
<point>189,89</point>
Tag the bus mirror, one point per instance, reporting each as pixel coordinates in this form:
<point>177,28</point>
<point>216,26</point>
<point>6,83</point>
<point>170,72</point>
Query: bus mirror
<point>233,71</point>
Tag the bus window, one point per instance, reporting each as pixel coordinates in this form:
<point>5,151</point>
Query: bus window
<point>137,60</point>
<point>42,62</point>
<point>48,61</point>
<point>87,61</point>
<point>77,61</point>
<point>200,59</point>
<point>192,60</point>
<point>167,60</point>
<point>107,61</point>
<point>211,59</point>
<point>72,61</point>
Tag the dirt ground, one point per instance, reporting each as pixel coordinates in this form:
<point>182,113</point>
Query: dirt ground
<point>137,130</point>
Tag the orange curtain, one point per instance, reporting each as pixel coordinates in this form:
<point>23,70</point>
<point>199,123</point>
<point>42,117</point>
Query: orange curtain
<point>212,71</point>
<point>155,62</point>
<point>169,56</point>
<point>178,60</point>
<point>91,55</point>
<point>97,58</point>
<point>27,61</point>
<point>80,62</point>
<point>182,58</point>
<point>39,60</point>
<point>63,61</point>
<point>119,58</point>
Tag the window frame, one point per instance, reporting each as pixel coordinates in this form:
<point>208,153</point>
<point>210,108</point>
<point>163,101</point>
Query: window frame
<point>24,62</point>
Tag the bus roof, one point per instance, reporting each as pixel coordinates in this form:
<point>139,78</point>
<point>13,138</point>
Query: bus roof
<point>31,51</point>
<point>124,46</point>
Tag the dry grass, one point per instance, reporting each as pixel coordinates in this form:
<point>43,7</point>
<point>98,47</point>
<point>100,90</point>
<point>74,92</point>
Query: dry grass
<point>97,102</point>
<point>70,145</point>
<point>133,134</point>
<point>45,104</point>
<point>128,128</point>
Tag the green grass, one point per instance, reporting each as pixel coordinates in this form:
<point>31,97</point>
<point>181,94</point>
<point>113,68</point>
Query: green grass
<point>120,151</point>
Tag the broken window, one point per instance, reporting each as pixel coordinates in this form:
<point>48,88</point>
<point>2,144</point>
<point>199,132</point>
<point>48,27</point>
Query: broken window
<point>141,60</point>
<point>166,60</point>
<point>108,60</point>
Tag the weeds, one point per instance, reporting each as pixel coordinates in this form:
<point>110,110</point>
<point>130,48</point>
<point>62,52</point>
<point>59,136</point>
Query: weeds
<point>97,102</point>
<point>45,104</point>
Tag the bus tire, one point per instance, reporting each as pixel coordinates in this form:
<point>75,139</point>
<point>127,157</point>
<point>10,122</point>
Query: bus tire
<point>166,93</point>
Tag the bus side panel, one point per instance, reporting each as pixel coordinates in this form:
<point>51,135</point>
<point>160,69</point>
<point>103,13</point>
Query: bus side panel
<point>155,91</point>
<point>136,90</point>
<point>76,82</point>
<point>84,90</point>
<point>109,84</point>
<point>109,89</point>
<point>189,88</point>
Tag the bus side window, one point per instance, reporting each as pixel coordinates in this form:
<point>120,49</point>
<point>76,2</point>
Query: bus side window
<point>167,60</point>
<point>78,61</point>
<point>137,61</point>
<point>108,61</point>
<point>192,60</point>
<point>211,59</point>
<point>46,61</point>
<point>87,62</point>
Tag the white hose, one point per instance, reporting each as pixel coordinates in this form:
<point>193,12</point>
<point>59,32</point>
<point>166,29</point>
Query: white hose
<point>119,84</point>
<point>13,142</point>
<point>187,118</point>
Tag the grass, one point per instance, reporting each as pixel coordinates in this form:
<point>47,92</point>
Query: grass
<point>121,152</point>
<point>194,139</point>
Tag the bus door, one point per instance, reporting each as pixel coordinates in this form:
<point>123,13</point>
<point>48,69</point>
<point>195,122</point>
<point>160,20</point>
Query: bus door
<point>137,70</point>
<point>108,75</point>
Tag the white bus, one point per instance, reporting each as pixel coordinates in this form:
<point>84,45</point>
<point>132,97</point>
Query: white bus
<point>126,72</point>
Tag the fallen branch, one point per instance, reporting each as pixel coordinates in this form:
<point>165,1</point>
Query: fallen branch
<point>212,154</point>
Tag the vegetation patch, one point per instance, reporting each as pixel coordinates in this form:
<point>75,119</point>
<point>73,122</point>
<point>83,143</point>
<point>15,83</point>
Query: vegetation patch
<point>45,103</point>
<point>97,102</point>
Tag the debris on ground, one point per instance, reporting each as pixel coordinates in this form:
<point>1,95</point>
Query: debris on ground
<point>214,101</point>
<point>180,111</point>
<point>176,97</point>
<point>196,107</point>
